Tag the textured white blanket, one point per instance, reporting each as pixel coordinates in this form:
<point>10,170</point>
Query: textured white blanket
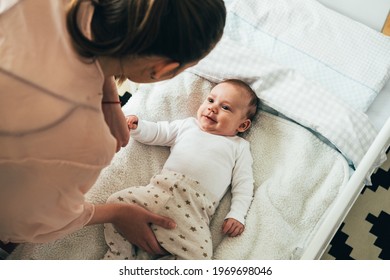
<point>296,179</point>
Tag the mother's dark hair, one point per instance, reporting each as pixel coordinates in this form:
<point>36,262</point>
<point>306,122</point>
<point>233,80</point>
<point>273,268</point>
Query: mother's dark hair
<point>182,30</point>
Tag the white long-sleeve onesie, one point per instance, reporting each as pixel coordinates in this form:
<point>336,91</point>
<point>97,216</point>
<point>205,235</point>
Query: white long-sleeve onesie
<point>213,160</point>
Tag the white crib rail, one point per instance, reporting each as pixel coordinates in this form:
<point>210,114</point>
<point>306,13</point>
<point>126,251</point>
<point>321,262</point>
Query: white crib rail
<point>344,201</point>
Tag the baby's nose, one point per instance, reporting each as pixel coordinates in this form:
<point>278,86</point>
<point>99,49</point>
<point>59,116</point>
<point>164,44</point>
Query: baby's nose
<point>212,109</point>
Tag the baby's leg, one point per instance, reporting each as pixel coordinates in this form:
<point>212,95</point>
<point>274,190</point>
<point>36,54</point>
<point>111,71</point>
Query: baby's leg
<point>190,240</point>
<point>149,197</point>
<point>119,247</point>
<point>191,208</point>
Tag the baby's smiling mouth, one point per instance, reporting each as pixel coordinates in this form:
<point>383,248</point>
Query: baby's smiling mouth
<point>210,118</point>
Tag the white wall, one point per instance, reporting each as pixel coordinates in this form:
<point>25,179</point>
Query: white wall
<point>372,13</point>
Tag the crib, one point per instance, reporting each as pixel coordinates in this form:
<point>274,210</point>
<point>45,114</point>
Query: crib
<point>324,127</point>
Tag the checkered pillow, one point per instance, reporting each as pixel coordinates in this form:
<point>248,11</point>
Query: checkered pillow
<point>347,58</point>
<point>288,92</point>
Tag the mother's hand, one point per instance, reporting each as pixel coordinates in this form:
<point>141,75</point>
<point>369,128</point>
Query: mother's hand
<point>116,120</point>
<point>137,228</point>
<point>133,222</point>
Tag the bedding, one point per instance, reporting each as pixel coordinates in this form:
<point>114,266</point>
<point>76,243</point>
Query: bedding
<point>289,93</point>
<point>379,111</point>
<point>290,196</point>
<point>347,58</point>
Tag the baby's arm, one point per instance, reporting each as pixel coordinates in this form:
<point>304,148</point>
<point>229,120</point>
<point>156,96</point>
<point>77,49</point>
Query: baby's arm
<point>232,227</point>
<point>161,133</point>
<point>132,121</point>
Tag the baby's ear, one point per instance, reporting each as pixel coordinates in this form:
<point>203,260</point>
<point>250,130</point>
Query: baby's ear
<point>244,125</point>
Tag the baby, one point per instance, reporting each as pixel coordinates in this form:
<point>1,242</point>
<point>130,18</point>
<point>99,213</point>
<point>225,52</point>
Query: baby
<point>206,158</point>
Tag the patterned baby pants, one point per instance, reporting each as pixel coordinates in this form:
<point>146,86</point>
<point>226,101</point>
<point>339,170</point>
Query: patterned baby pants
<point>173,195</point>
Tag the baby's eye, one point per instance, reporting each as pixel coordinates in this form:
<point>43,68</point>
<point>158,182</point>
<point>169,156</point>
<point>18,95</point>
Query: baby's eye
<point>210,100</point>
<point>225,107</point>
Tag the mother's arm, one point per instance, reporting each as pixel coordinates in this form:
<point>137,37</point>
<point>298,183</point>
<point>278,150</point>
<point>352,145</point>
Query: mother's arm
<point>113,114</point>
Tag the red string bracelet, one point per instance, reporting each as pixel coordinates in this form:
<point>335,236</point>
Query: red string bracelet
<point>111,102</point>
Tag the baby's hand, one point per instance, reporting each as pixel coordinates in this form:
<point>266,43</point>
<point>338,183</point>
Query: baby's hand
<point>132,122</point>
<point>232,227</point>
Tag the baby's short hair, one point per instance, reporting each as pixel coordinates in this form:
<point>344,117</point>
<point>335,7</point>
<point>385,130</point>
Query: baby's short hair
<point>254,102</point>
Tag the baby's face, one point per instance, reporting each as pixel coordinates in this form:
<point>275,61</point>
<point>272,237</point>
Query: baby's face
<point>224,111</point>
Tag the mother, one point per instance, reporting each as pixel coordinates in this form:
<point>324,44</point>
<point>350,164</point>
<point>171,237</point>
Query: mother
<point>61,121</point>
